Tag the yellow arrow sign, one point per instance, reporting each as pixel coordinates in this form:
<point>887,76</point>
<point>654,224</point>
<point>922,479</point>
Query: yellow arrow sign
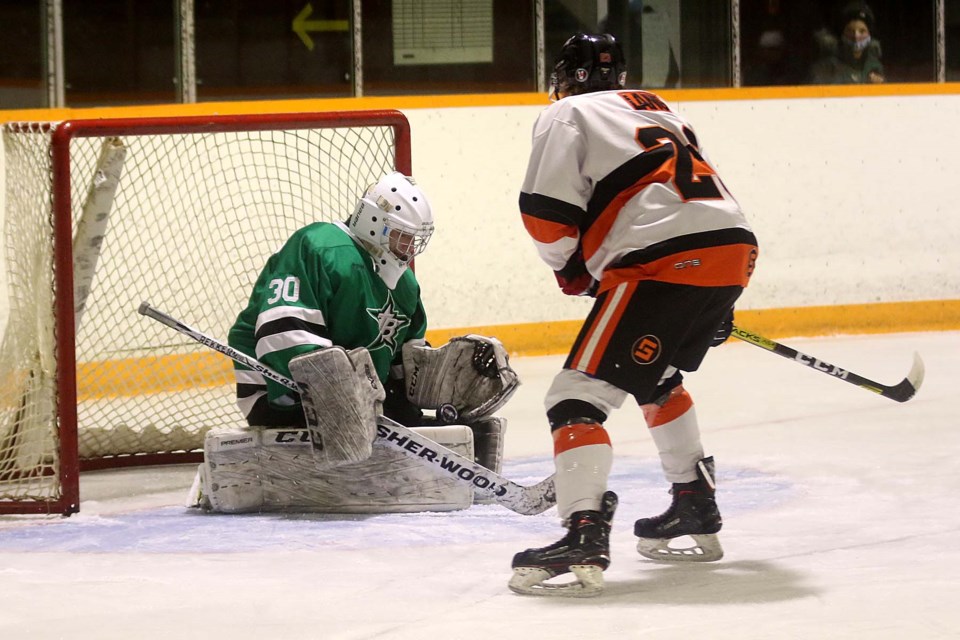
<point>302,25</point>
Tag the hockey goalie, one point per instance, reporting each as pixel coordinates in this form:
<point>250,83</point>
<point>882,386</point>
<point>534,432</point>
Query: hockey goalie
<point>338,310</point>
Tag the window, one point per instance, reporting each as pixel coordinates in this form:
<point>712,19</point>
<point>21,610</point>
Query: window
<point>952,38</point>
<point>251,49</point>
<point>667,43</point>
<point>448,46</point>
<point>131,51</point>
<point>118,52</point>
<point>21,63</point>
<point>795,42</point>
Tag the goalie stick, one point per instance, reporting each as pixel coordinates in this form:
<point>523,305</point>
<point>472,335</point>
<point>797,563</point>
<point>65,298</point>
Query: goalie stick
<point>901,392</point>
<point>528,501</point>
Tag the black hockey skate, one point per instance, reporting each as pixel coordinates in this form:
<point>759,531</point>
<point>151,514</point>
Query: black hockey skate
<point>692,513</point>
<point>584,551</point>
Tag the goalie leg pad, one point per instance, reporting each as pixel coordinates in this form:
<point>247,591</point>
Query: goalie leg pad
<point>228,481</point>
<point>488,437</point>
<point>267,470</point>
<point>466,379</point>
<point>341,397</point>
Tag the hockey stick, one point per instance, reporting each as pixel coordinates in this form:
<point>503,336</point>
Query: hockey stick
<point>901,392</point>
<point>523,500</point>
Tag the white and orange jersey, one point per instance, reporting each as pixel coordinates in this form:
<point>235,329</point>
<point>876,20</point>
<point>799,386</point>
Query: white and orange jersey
<point>620,182</point>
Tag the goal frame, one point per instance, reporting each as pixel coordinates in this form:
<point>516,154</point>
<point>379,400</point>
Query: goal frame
<point>70,465</point>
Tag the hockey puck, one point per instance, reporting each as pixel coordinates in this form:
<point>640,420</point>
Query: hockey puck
<point>447,413</point>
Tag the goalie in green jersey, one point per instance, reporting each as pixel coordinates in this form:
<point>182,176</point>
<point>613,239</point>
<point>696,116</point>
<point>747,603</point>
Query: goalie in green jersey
<point>346,284</point>
<point>338,310</point>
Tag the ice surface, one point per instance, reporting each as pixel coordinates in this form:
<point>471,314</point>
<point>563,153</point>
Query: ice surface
<point>840,507</point>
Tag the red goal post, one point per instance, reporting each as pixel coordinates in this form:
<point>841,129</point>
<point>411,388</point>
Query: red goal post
<point>100,215</point>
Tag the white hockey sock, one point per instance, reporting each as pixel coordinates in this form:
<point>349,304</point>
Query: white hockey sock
<point>583,457</point>
<point>677,435</point>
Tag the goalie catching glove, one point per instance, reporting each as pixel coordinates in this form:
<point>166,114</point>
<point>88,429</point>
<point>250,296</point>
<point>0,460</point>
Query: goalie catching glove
<point>464,380</point>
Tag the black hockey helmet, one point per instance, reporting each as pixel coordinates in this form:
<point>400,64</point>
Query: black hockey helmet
<point>587,63</point>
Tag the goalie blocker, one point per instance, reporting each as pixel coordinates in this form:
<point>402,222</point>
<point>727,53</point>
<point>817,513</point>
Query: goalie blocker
<point>341,397</point>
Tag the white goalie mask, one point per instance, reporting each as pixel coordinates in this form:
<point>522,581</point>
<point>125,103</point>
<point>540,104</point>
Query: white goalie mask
<point>393,222</point>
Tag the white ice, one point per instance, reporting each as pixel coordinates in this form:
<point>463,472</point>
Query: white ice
<point>841,520</point>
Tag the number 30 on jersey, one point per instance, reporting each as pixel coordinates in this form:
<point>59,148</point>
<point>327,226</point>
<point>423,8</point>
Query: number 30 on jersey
<point>286,289</point>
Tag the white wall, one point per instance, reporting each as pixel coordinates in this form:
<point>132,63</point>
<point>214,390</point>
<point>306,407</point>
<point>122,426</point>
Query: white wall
<point>481,267</point>
<point>852,200</point>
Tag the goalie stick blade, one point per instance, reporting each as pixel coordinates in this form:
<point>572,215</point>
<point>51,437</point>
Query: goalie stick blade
<point>529,501</point>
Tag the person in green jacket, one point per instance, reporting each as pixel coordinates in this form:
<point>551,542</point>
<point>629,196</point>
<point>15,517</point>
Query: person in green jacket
<point>853,59</point>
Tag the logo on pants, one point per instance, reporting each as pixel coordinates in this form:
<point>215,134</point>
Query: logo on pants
<point>646,350</point>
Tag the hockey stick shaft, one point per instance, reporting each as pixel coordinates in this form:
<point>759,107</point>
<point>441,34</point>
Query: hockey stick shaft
<point>900,392</point>
<point>146,310</point>
<point>523,500</point>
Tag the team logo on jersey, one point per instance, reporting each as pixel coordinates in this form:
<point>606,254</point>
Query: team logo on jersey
<point>646,350</point>
<point>390,322</point>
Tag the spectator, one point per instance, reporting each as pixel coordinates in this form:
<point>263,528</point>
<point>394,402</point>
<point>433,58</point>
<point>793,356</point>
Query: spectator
<point>777,43</point>
<point>853,59</point>
<point>773,62</point>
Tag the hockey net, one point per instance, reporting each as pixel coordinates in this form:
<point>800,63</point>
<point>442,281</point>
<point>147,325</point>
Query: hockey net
<point>181,212</point>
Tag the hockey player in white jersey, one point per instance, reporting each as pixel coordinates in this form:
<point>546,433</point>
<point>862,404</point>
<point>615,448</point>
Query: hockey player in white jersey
<point>623,205</point>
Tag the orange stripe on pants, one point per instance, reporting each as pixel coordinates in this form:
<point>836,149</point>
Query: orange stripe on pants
<point>595,341</point>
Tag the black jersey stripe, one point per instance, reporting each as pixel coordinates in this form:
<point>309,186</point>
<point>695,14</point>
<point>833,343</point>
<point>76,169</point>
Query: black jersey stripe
<point>245,390</point>
<point>552,209</point>
<point>625,176</point>
<point>290,323</point>
<point>699,240</point>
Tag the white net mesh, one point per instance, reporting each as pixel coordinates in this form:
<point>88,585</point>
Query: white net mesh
<point>193,220</point>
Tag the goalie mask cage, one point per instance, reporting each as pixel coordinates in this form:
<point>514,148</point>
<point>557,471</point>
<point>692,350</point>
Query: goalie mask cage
<point>101,215</point>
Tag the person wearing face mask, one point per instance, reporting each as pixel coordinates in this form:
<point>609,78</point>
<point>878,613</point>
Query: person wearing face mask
<point>854,57</point>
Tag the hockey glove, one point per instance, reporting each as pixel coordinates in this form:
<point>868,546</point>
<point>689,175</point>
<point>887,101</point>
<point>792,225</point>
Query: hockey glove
<point>724,330</point>
<point>574,279</point>
<point>583,285</point>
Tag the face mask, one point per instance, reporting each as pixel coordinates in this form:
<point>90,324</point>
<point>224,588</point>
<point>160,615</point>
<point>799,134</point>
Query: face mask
<point>857,45</point>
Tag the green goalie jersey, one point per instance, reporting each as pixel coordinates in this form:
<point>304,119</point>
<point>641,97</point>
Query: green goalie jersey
<point>319,290</point>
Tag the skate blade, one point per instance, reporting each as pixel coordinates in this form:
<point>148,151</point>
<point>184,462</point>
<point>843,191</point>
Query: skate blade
<point>705,548</point>
<point>530,581</point>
